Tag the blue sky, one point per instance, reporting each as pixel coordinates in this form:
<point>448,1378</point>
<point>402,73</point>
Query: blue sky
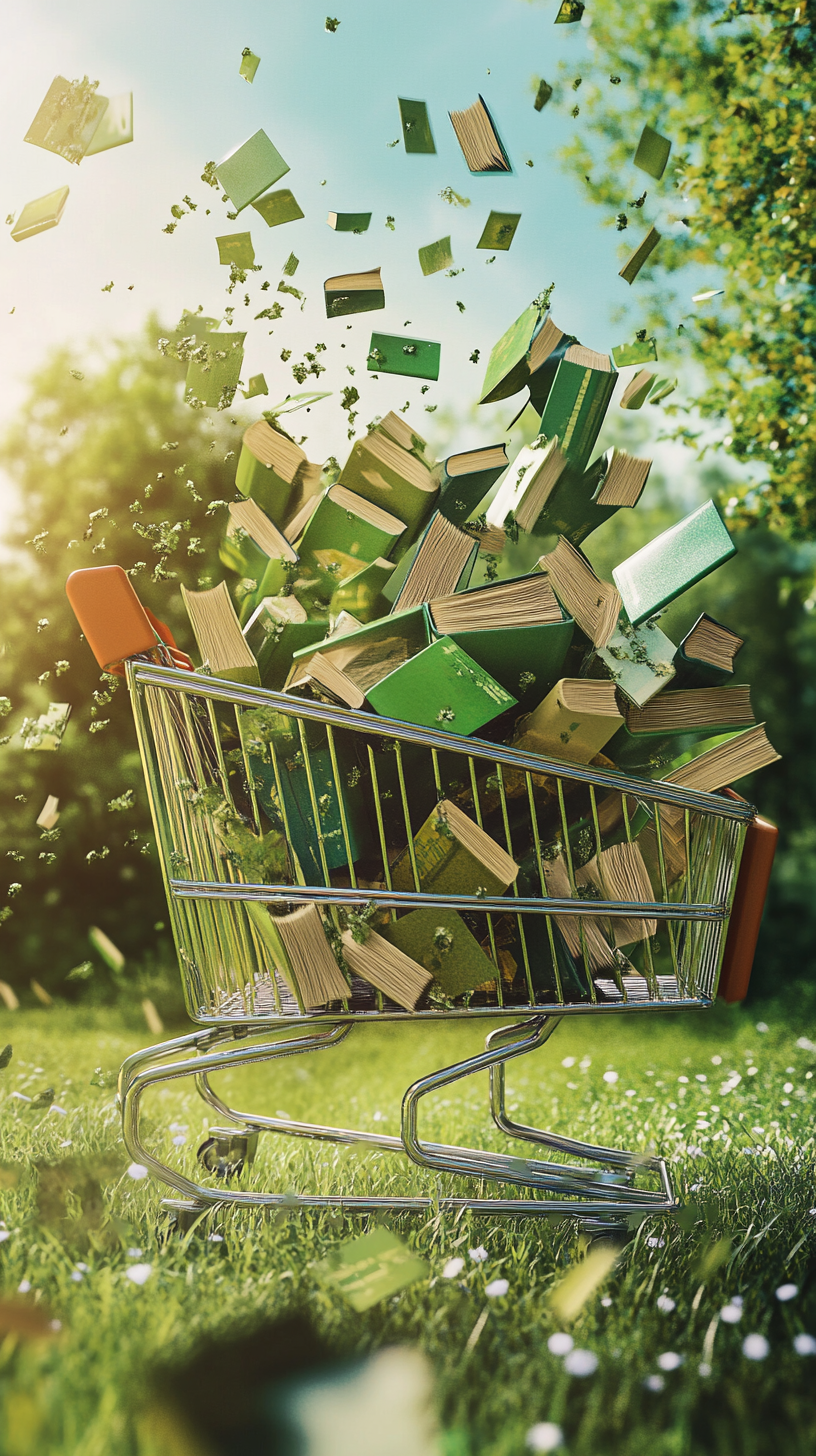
<point>329,103</point>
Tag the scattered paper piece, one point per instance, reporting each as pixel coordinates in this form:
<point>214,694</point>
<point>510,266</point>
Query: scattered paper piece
<point>499,231</point>
<point>40,215</point>
<point>49,813</point>
<point>257,385</point>
<point>8,997</point>
<point>249,64</point>
<point>104,947</point>
<point>369,1269</point>
<point>236,248</point>
<point>155,1025</point>
<point>579,1284</point>
<point>45,734</point>
<point>706,295</point>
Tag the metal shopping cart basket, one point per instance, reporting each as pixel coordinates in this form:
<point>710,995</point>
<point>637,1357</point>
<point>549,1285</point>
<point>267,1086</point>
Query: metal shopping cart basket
<point>234,773</point>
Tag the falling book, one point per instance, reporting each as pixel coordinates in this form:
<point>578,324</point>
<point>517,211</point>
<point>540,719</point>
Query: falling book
<point>579,505</point>
<point>442,687</point>
<point>479,140</point>
<point>37,217</point>
<point>594,604</point>
<point>638,353</point>
<point>393,354</point>
<point>454,857</point>
<point>49,813</point>
<point>725,763</point>
<point>68,118</point>
<point>636,259</point>
<point>354,293</point>
<point>236,248</point>
<point>658,732</point>
<point>218,635</point>
<point>443,557</point>
<point>637,390</point>
<point>519,353</point>
<point>440,941</point>
<point>344,532</point>
<point>499,231</point>
<point>256,549</point>
<point>514,629</point>
<point>250,169</point>
<point>466,479</point>
<point>638,659</point>
<point>585,939</point>
<point>575,720</point>
<point>416,127</point>
<point>436,256</point>
<point>349,222</point>
<point>529,483</point>
<point>361,595</point>
<point>277,628</point>
<point>652,152</point>
<point>301,951</point>
<point>527,601</point>
<point>673,562</point>
<point>577,402</point>
<point>387,967</point>
<point>403,434</point>
<point>385,472</point>
<point>705,657</point>
<point>278,207</point>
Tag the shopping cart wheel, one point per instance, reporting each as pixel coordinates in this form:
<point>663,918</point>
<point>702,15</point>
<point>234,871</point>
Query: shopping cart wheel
<point>182,1213</point>
<point>226,1151</point>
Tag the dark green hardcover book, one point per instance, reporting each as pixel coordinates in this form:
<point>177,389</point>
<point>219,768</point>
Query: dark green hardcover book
<point>394,354</point>
<point>443,688</point>
<point>466,478</point>
<point>349,222</point>
<point>213,381</point>
<point>526,661</point>
<point>295,817</point>
<point>344,533</point>
<point>416,127</point>
<point>481,144</point>
<point>673,562</point>
<point>436,256</point>
<point>274,472</point>
<point>579,504</point>
<point>354,293</point>
<point>569,12</point>
<point>236,248</point>
<point>705,657</point>
<point>499,231</point>
<point>519,355</point>
<point>278,207</point>
<point>674,721</point>
<point>652,152</point>
<point>440,941</point>
<point>250,170</point>
<point>277,629</point>
<point>578,401</point>
<point>636,259</point>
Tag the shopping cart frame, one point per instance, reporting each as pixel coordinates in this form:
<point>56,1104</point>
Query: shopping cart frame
<point>601,1196</point>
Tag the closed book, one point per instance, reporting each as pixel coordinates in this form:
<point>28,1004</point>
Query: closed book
<point>343,533</point>
<point>673,562</point>
<point>276,629</point>
<point>652,152</point>
<point>315,838</point>
<point>673,721</point>
<point>510,365</point>
<point>440,941</point>
<point>256,549</point>
<point>723,760</point>
<point>396,354</point>
<point>499,231</point>
<point>443,688</point>
<point>579,504</point>
<point>361,595</point>
<point>67,118</point>
<point>638,257</point>
<point>705,657</point>
<point>368,653</point>
<point>213,380</point>
<point>301,951</point>
<point>575,720</point>
<point>349,222</point>
<point>578,401</point>
<point>443,561</point>
<point>594,604</point>
<point>466,478</point>
<point>218,635</point>
<point>278,207</point>
<point>385,965</point>
<point>353,293</point>
<point>479,140</point>
<point>454,856</point>
<point>236,248</point>
<point>40,215</point>
<point>416,127</point>
<point>250,169</point>
<point>527,486</point>
<point>274,471</point>
<point>746,911</point>
<point>638,660</point>
<point>383,471</point>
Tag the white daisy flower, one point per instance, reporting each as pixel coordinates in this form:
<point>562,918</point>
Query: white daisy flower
<point>452,1268</point>
<point>560,1344</point>
<point>581,1363</point>
<point>546,1436</point>
<point>139,1273</point>
<point>755,1347</point>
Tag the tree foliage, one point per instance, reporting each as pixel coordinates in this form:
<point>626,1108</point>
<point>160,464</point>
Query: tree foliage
<point>732,85</point>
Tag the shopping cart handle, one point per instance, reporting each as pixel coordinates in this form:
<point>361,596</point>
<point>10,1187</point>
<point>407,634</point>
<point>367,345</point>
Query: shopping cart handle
<point>115,623</point>
<point>749,903</point>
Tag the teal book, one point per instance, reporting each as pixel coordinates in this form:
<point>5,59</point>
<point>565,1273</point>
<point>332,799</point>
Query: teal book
<point>250,169</point>
<point>520,352</point>
<point>353,293</point>
<point>278,207</point>
<point>640,661</point>
<point>443,688</point>
<point>277,629</point>
<point>579,504</point>
<point>349,222</point>
<point>652,152</point>
<point>274,472</point>
<point>499,231</point>
<point>291,812</point>
<point>344,533</point>
<point>673,562</point>
<point>416,127</point>
<point>436,256</point>
<point>214,380</point>
<point>394,354</point>
<point>578,401</point>
<point>705,657</point>
<point>466,478</point>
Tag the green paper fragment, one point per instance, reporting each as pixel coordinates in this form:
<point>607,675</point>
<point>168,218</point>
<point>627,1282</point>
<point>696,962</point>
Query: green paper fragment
<point>652,152</point>
<point>236,248</point>
<point>369,1269</point>
<point>249,64</point>
<point>349,222</point>
<point>436,256</point>
<point>543,95</point>
<point>416,127</point>
<point>661,388</point>
<point>250,169</point>
<point>67,118</point>
<point>499,231</point>
<point>393,354</point>
<point>115,128</point>
<point>290,267</point>
<point>278,207</point>
<point>37,217</point>
<point>640,352</point>
<point>569,12</point>
<point>212,379</point>
<point>257,385</point>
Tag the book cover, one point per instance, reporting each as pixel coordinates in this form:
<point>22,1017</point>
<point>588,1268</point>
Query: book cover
<point>278,207</point>
<point>524,660</point>
<point>236,248</point>
<point>382,471</point>
<point>394,354</point>
<point>250,169</point>
<point>652,152</point>
<point>454,857</point>
<point>466,478</point>
<point>499,231</point>
<point>40,215</point>
<point>344,533</point>
<point>443,688</point>
<point>574,721</point>
<point>705,657</point>
<point>115,128</point>
<point>527,486</point>
<point>436,256</point>
<point>276,630</point>
<point>308,833</point>
<point>361,595</point>
<point>353,293</point>
<point>349,222</point>
<point>440,941</point>
<point>416,127</point>
<point>213,381</point>
<point>511,364</point>
<point>638,257</point>
<point>67,118</point>
<point>673,562</point>
<point>639,661</point>
<point>576,406</point>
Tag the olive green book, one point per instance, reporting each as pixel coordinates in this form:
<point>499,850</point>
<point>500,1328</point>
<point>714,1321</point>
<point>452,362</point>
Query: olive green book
<point>250,169</point>
<point>40,215</point>
<point>213,381</point>
<point>236,248</point>
<point>353,293</point>
<point>440,941</point>
<point>638,257</point>
<point>395,354</point>
<point>383,472</point>
<point>254,547</point>
<point>249,64</point>
<point>454,856</point>
<point>436,256</point>
<point>671,563</point>
<point>519,353</point>
<point>274,472</point>
<point>578,401</point>
<point>115,127</point>
<point>705,657</point>
<point>499,231</point>
<point>277,629</point>
<point>67,118</point>
<point>652,152</point>
<point>349,222</point>
<point>416,127</point>
<point>361,595</point>
<point>443,688</point>
<point>345,532</point>
<point>278,207</point>
<point>672,722</point>
<point>218,635</point>
<point>574,721</point>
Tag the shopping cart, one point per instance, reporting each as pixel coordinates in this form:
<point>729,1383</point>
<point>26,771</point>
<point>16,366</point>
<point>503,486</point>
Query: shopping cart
<point>240,778</point>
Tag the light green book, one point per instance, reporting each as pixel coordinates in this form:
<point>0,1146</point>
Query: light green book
<point>218,635</point>
<point>416,127</point>
<point>236,248</point>
<point>440,941</point>
<point>249,64</point>
<point>652,152</point>
<point>499,231</point>
<point>524,660</point>
<point>349,222</point>
<point>673,562</point>
<point>39,216</point>
<point>345,532</point>
<point>278,207</point>
<point>578,401</point>
<point>255,548</point>
<point>214,382</point>
<point>454,856</point>
<point>361,595</point>
<point>274,472</point>
<point>277,629</point>
<point>443,688</point>
<point>639,660</point>
<point>115,127</point>
<point>640,352</point>
<point>579,504</point>
<point>519,352</point>
<point>392,477</point>
<point>67,118</point>
<point>436,256</point>
<point>395,354</point>
<point>250,169</point>
<point>636,259</point>
<point>637,390</point>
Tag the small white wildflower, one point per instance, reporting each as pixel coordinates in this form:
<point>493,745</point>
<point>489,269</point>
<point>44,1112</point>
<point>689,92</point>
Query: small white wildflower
<point>560,1344</point>
<point>654,1382</point>
<point>55,1324</point>
<point>611,1077</point>
<point>134,1253</point>
<point>546,1436</point>
<point>77,1276</point>
<point>25,1284</point>
<point>478,1255</point>
<point>666,1303</point>
<point>4,1234</point>
<point>581,1363</point>
<point>378,1117</point>
<point>788,1087</point>
<point>567,1062</point>
<point>655,1243</point>
<point>83,1268</point>
<point>803,1344</point>
<point>630,1094</point>
<point>786,1292</point>
<point>762,1026</point>
<point>215,1238</point>
<point>496,1288</point>
<point>716,1061</point>
<point>452,1268</point>
<point>704,1369</point>
<point>137,1171</point>
<point>670,1360</point>
<point>606,1302</point>
<point>179,1141</point>
<point>755,1347</point>
<point>731,1314</point>
<point>139,1273</point>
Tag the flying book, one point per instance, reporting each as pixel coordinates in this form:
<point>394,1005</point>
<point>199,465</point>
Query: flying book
<point>256,549</point>
<point>673,562</point>
<point>278,627</point>
<point>725,763</point>
<point>444,556</point>
<point>569,12</point>
<point>519,353</point>
<point>530,481</point>
<point>636,259</point>
<point>620,873</point>
<point>577,402</point>
<point>49,813</point>
<point>236,248</point>
<point>386,473</point>
<point>278,207</point>
<point>354,293</point>
<point>344,532</point>
<point>664,727</point>
<point>273,471</point>
<point>439,941</point>
<point>393,354</point>
<point>499,231</point>
<point>580,504</point>
<point>639,660</point>
<point>249,64</point>
<point>454,857</point>
<point>594,604</point>
<point>575,720</point>
<point>40,215</point>
<point>361,595</point>
<point>45,734</point>
<point>436,256</point>
<point>637,390</point>
<point>442,688</point>
<point>466,479</point>
<point>416,127</point>
<point>301,951</point>
<point>212,381</point>
<point>705,657</point>
<point>638,353</point>
<point>652,152</point>
<point>250,169</point>
<point>349,222</point>
<point>387,967</point>
<point>115,126</point>
<point>218,635</point>
<point>68,118</point>
<point>479,140</point>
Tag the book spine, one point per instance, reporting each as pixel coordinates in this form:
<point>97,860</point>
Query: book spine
<point>575,410</point>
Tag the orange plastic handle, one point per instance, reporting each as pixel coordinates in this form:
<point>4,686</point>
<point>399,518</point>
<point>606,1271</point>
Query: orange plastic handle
<point>114,622</point>
<point>749,902</point>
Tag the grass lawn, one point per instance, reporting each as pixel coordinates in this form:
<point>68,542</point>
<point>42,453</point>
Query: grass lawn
<point>730,1105</point>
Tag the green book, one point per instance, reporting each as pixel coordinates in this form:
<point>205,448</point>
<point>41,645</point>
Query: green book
<point>274,471</point>
<point>236,248</point>
<point>115,127</point>
<point>639,661</point>
<point>213,382</point>
<point>636,259</point>
<point>40,215</point>
<point>218,635</point>
<point>526,661</point>
<point>361,594</point>
<point>578,401</point>
<point>637,390</point>
<point>466,478</point>
<point>668,727</point>
<point>250,169</point>
<point>652,152</point>
<point>436,256</point>
<point>344,533</point>
<point>257,385</point>
<point>304,836</point>
<point>349,222</point>
<point>499,231</point>
<point>705,657</point>
<point>277,629</point>
<point>354,293</point>
<point>443,688</point>
<point>278,207</point>
<point>673,562</point>
<point>371,1268</point>
<point>579,504</point>
<point>569,12</point>
<point>454,856</point>
<point>416,127</point>
<point>393,354</point>
<point>481,144</point>
<point>519,354</point>
<point>391,476</point>
<point>249,64</point>
<point>364,653</point>
<point>67,118</point>
<point>440,941</point>
<point>640,352</point>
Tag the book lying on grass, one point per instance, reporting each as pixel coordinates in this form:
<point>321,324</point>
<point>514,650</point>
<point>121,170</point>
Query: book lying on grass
<point>301,951</point>
<point>578,505</point>
<point>40,215</point>
<point>594,604</point>
<point>221,644</point>
<point>639,660</point>
<point>383,470</point>
<point>454,857</point>
<point>343,533</point>
<point>671,718</point>
<point>619,873</point>
<point>528,485</point>
<point>466,478</point>
<point>416,127</point>
<point>369,653</point>
<point>387,967</point>
<point>520,352</point>
<point>673,562</point>
<point>705,657</point>
<point>257,550</point>
<point>274,471</point>
<point>514,629</point>
<point>725,762</point>
<point>440,941</point>
<point>396,354</point>
<point>443,559</point>
<point>479,140</point>
<point>577,402</point>
<point>575,720</point>
<point>277,628</point>
<point>442,688</point>
<point>638,257</point>
<point>370,1269</point>
<point>354,293</point>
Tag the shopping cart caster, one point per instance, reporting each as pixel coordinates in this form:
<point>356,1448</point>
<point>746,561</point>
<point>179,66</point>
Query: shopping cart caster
<point>183,1214</point>
<point>226,1151</point>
